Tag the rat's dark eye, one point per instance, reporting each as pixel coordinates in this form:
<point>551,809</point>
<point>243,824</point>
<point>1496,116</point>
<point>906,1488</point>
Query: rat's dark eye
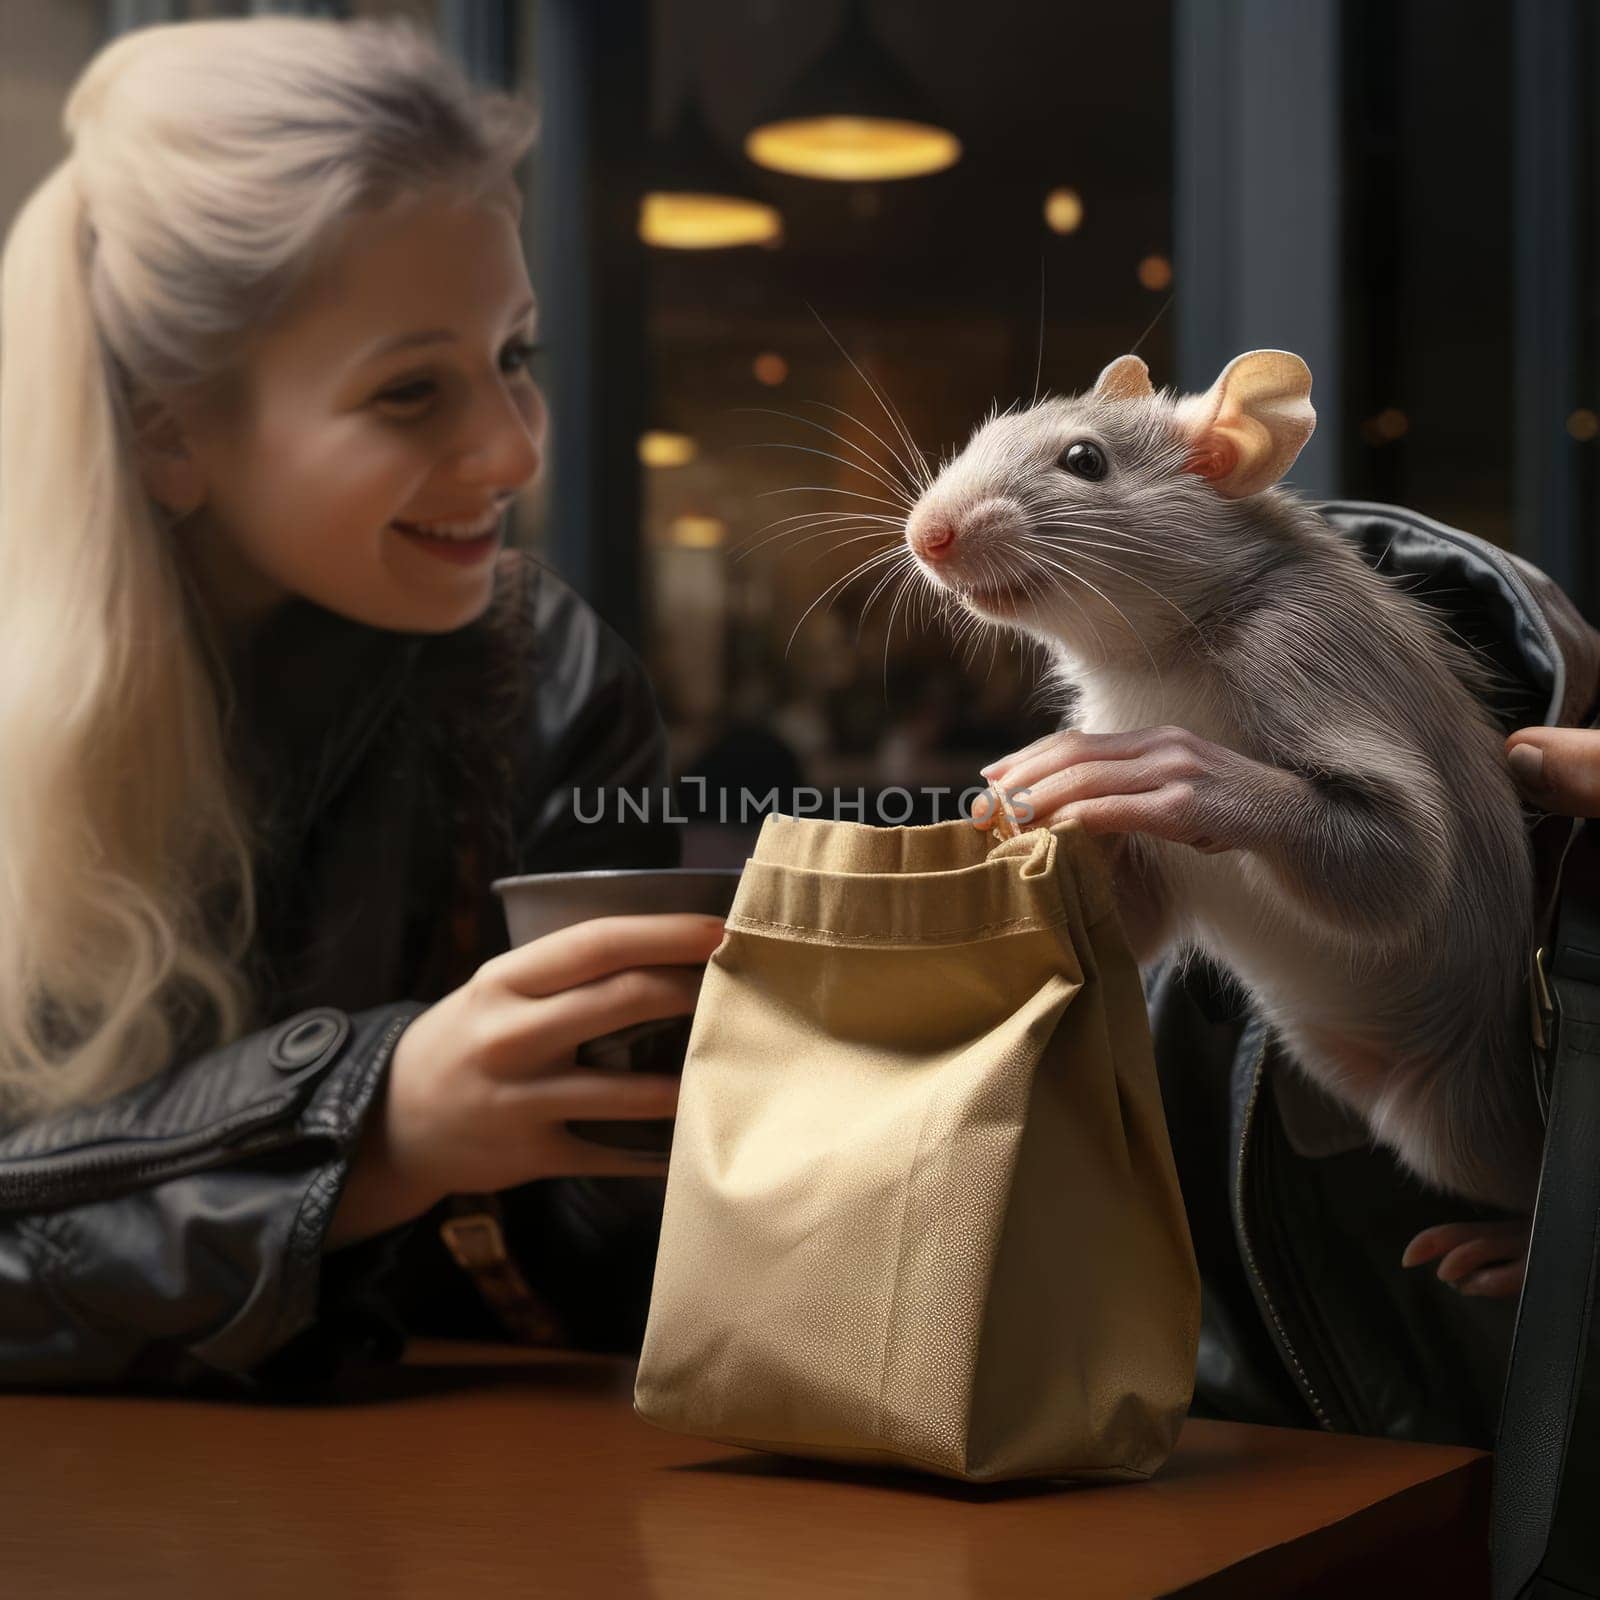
<point>1083,459</point>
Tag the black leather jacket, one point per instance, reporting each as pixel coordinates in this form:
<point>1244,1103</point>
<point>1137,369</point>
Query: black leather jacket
<point>173,1235</point>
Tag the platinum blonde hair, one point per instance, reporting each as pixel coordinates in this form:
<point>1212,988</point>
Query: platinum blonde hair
<point>212,164</point>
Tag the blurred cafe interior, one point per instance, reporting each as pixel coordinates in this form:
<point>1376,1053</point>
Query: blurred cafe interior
<point>784,246</point>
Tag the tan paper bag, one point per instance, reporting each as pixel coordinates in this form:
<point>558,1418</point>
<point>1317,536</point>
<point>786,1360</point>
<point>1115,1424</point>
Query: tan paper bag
<point>921,1207</point>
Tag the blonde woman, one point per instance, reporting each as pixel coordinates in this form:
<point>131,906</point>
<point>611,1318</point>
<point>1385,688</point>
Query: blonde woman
<point>274,709</point>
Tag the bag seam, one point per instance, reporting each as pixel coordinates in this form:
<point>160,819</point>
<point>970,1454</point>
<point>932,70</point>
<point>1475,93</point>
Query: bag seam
<point>745,923</point>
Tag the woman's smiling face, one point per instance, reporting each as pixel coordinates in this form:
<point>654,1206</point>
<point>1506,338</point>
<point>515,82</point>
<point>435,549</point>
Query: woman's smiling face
<point>393,390</point>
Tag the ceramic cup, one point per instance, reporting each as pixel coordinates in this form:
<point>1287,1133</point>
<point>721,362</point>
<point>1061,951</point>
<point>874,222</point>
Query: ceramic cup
<point>546,902</point>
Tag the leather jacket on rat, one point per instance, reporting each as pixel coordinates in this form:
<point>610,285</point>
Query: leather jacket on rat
<point>1299,1223</point>
<point>172,1235</point>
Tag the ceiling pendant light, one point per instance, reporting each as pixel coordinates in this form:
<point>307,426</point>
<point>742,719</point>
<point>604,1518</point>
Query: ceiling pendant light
<point>853,116</point>
<point>696,197</point>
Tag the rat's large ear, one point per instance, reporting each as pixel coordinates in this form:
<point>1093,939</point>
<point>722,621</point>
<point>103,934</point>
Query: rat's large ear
<point>1247,428</point>
<point>1127,378</point>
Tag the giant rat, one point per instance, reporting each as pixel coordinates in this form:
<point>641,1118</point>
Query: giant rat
<point>1290,759</point>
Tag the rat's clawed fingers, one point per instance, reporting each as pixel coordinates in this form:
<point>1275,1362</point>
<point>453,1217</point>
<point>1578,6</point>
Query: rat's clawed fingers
<point>998,768</point>
<point>1476,1258</point>
<point>1068,747</point>
<point>1174,811</point>
<point>1166,782</point>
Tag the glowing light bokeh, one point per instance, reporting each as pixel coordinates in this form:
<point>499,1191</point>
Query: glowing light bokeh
<point>852,149</point>
<point>706,221</point>
<point>770,368</point>
<point>1063,210</point>
<point>661,448</point>
<point>696,532</point>
<point>1155,272</point>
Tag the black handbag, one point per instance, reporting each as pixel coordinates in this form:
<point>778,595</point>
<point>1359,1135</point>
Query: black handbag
<point>1545,1522</point>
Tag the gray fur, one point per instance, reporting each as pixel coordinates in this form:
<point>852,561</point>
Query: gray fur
<point>1390,904</point>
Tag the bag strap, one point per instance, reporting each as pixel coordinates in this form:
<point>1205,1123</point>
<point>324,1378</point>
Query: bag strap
<point>1545,1530</point>
<point>473,1231</point>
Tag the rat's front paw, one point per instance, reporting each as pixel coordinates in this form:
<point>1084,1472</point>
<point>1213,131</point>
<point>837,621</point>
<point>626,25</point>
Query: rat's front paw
<point>1481,1258</point>
<point>1167,782</point>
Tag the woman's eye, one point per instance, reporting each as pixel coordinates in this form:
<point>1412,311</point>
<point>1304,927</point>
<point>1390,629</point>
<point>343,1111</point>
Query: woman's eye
<point>513,358</point>
<point>520,352</point>
<point>411,394</point>
<point>1084,460</point>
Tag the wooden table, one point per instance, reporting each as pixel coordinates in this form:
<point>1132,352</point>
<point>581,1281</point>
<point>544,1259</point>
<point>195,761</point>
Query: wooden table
<point>480,1471</point>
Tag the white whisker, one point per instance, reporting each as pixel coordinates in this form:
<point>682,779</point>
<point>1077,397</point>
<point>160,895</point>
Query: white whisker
<point>828,488</point>
<point>915,476</point>
<point>901,497</point>
<point>892,414</point>
<point>840,584</point>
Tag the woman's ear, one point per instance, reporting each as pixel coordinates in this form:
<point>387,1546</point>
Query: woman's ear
<point>1127,378</point>
<point>1247,428</point>
<point>166,462</point>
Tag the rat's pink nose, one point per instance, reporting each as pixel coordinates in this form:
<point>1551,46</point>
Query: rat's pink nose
<point>934,539</point>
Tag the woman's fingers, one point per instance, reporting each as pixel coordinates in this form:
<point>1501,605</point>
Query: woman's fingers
<point>1496,1283</point>
<point>1558,768</point>
<point>1460,1264</point>
<point>591,950</point>
<point>598,1097</point>
<point>552,1030</point>
<point>601,1096</point>
<point>1432,1243</point>
<point>1476,1258</point>
<point>583,1158</point>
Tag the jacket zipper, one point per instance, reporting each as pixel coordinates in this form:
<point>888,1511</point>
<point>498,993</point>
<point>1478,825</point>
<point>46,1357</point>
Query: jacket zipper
<point>1281,1337</point>
<point>55,1183</point>
<point>67,1181</point>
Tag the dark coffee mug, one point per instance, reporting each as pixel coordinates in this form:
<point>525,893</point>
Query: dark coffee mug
<point>545,902</point>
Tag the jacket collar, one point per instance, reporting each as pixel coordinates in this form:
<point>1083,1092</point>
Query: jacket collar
<point>309,693</point>
<point>1504,606</point>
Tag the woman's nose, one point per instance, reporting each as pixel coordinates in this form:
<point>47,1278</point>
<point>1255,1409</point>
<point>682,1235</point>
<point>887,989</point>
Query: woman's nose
<point>503,443</point>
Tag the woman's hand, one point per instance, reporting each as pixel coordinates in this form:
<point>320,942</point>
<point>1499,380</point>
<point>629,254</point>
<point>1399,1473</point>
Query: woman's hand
<point>1558,769</point>
<point>481,1085</point>
<point>1478,1258</point>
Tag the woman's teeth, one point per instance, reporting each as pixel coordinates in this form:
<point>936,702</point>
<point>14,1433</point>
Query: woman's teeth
<point>453,530</point>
